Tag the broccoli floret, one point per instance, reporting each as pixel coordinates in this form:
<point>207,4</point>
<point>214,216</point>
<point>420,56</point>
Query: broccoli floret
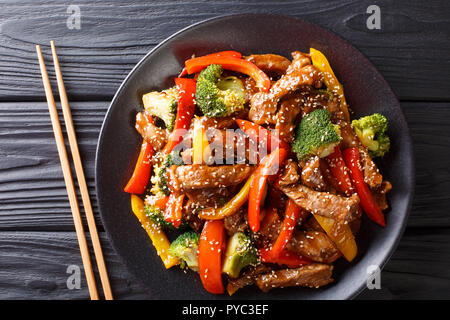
<point>156,215</point>
<point>371,131</point>
<point>162,105</point>
<point>316,135</point>
<point>240,253</point>
<point>216,96</point>
<point>159,179</point>
<point>185,248</point>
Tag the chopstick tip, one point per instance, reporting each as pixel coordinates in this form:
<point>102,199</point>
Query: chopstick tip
<point>38,50</point>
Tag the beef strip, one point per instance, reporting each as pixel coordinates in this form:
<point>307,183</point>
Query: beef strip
<point>210,197</point>
<point>379,194</point>
<point>349,138</point>
<point>263,105</point>
<point>219,123</point>
<point>190,210</point>
<point>333,106</point>
<point>203,198</point>
<point>316,99</point>
<point>311,224</point>
<point>312,175</point>
<point>231,146</point>
<point>155,136</point>
<point>250,88</point>
<point>236,222</point>
<point>191,177</point>
<point>270,63</point>
<point>247,278</point>
<point>372,175</point>
<point>312,275</point>
<point>315,245</point>
<point>290,173</point>
<point>330,180</point>
<point>285,119</point>
<point>186,155</point>
<point>323,203</point>
<point>269,230</point>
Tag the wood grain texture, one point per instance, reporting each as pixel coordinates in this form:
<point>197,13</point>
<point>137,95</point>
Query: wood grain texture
<point>410,50</point>
<point>33,195</point>
<point>418,269</point>
<point>37,238</point>
<point>31,187</point>
<point>34,266</point>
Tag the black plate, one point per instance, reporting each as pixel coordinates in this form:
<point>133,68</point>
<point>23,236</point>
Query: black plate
<point>118,148</point>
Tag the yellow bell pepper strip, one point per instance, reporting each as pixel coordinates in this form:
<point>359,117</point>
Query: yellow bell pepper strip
<point>200,145</point>
<point>156,234</point>
<point>231,206</point>
<point>341,235</point>
<point>321,63</point>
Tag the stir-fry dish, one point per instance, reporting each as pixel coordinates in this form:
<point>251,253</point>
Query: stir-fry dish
<point>253,168</point>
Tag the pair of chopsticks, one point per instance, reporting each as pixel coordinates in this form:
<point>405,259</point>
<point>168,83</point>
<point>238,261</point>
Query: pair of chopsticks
<point>80,177</point>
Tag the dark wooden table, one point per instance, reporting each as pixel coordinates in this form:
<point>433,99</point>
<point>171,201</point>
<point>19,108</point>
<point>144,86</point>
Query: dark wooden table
<point>37,238</point>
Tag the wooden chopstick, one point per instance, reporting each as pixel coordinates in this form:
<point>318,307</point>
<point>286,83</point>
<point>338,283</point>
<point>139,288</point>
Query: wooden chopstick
<point>68,179</point>
<point>81,178</point>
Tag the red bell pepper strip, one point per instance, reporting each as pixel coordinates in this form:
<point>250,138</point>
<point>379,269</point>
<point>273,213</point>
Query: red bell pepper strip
<point>142,171</point>
<point>262,136</point>
<point>340,171</point>
<point>291,216</point>
<point>185,111</point>
<point>158,201</point>
<point>211,245</point>
<point>230,63</point>
<point>229,53</point>
<point>174,207</point>
<point>268,166</point>
<point>286,257</point>
<point>368,204</point>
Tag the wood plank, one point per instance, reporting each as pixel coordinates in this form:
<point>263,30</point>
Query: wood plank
<point>34,266</point>
<point>410,50</point>
<point>32,190</point>
<point>33,196</point>
<point>428,124</point>
<point>418,269</point>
